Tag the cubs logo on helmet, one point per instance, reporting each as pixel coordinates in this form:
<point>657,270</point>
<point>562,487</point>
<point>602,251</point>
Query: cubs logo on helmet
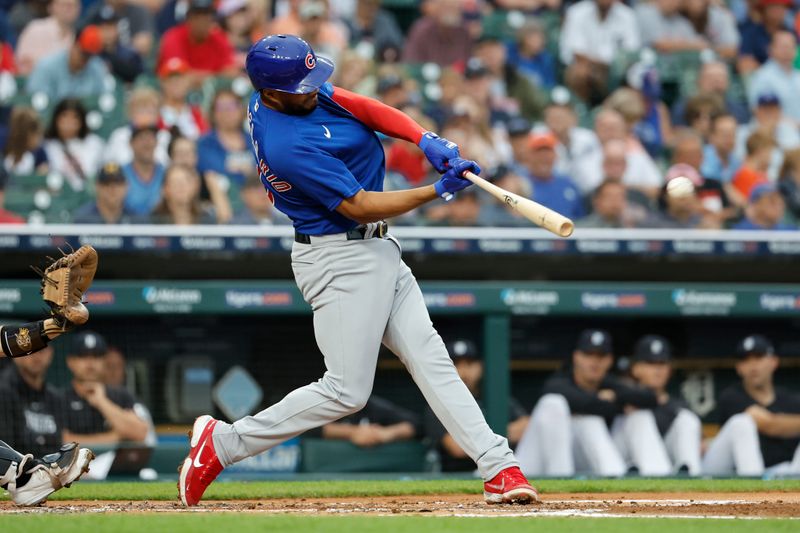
<point>286,63</point>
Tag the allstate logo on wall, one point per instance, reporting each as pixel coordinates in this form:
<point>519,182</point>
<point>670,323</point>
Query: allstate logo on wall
<point>171,300</point>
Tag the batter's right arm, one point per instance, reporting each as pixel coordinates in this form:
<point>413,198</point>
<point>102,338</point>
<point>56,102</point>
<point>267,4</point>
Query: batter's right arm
<point>370,206</point>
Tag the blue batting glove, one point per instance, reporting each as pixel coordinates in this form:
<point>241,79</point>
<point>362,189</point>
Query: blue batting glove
<point>438,150</point>
<point>451,181</point>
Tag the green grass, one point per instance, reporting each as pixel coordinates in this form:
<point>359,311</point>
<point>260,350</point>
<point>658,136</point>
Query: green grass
<point>239,490</point>
<point>224,522</point>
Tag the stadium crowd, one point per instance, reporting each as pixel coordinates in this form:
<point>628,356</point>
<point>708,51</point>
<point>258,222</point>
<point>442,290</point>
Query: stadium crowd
<point>133,111</point>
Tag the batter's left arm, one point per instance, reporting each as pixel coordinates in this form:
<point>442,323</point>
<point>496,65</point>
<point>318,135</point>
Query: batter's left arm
<point>394,123</point>
<point>379,116</point>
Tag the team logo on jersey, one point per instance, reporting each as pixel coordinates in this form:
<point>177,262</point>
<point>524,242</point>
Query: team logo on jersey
<point>311,61</point>
<point>24,339</point>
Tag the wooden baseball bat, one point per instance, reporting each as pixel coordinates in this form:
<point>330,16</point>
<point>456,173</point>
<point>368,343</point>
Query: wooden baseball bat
<point>535,212</point>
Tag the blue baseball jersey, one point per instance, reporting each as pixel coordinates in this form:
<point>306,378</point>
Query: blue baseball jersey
<point>310,163</point>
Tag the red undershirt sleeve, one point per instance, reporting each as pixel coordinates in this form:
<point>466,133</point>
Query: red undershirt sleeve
<point>379,116</point>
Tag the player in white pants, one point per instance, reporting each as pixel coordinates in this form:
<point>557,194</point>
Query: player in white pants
<point>760,431</point>
<point>570,431</point>
<point>679,429</point>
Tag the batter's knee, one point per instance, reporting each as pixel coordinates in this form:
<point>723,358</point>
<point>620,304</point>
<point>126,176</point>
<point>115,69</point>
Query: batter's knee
<point>355,400</point>
<point>689,420</point>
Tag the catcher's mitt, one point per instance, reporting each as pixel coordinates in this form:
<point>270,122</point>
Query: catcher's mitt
<point>63,285</point>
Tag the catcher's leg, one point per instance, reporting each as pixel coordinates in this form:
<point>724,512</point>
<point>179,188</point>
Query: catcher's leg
<point>30,481</point>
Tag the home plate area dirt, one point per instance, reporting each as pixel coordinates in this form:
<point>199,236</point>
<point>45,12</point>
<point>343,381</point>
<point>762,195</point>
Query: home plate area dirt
<point>712,505</point>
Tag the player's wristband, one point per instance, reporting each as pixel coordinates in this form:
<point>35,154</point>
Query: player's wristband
<point>23,340</point>
<point>441,192</point>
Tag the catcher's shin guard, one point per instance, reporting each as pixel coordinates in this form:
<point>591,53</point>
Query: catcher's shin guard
<point>17,341</point>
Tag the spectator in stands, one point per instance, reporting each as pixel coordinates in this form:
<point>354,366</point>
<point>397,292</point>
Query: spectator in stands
<point>789,183</point>
<point>144,173</point>
<point>609,208</point>
<point>641,172</point>
<point>768,117</point>
<point>377,28</point>
<point>438,36</point>
<point>550,189</point>
<point>98,413</point>
<point>143,110</point>
<point>354,72</point>
<point>529,54</point>
<point>469,365</point>
<point>519,132</point>
<point>680,429</point>
<point>497,213</point>
<point>614,168</point>
<point>663,26</point>
<point>391,90</point>
<point>225,150</point>
<point>170,14</point>
<point>716,24</point>
<point>653,127</point>
<point>578,151</point>
<point>123,61</point>
<point>237,21</point>
<point>46,36</point>
<point>765,210</point>
<point>648,124</point>
<point>108,207</point>
<point>512,93</point>
<point>379,422</point>
<point>331,34</point>
<point>687,158</point>
<point>720,163</point>
<point>32,412</point>
<point>768,17</point>
<point>753,170</point>
<point>24,153</point>
<point>180,199</point>
<point>76,72</point>
<point>176,111</point>
<point>778,75</point>
<point>315,19</point>
<point>700,112</point>
<point>135,23</point>
<point>72,150</point>
<point>182,151</point>
<point>760,422</point>
<point>713,78</point>
<point>257,208</point>
<point>593,34</point>
<point>589,399</point>
<point>201,43</point>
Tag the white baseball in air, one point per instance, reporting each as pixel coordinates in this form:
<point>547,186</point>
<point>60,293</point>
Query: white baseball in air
<point>680,187</point>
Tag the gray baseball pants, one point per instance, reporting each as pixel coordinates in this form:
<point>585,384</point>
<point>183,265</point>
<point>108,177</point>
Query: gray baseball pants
<point>363,294</point>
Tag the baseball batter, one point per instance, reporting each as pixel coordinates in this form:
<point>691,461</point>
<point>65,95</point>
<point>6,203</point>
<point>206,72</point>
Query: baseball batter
<point>322,164</point>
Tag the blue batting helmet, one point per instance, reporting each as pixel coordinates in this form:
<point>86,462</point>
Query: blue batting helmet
<point>286,63</point>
